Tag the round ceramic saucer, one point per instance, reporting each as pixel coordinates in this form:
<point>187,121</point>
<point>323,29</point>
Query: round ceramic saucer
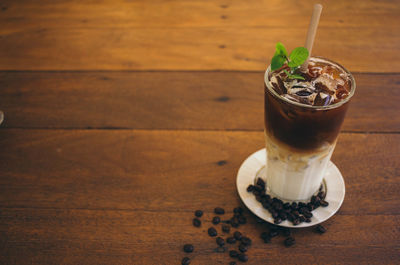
<point>254,167</point>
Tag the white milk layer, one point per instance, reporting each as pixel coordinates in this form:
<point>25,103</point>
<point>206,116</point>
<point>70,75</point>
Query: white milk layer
<point>295,176</point>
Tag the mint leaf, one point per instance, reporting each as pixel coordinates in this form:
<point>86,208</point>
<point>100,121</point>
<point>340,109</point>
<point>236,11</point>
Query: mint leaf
<point>293,76</point>
<point>297,77</point>
<point>277,62</point>
<point>281,50</point>
<point>298,56</point>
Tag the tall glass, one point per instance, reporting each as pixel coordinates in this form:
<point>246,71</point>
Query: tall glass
<point>300,140</point>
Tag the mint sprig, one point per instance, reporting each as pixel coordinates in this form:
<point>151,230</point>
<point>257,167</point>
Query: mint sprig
<point>296,58</point>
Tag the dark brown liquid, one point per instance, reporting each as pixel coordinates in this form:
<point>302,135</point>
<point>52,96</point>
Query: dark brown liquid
<point>301,127</point>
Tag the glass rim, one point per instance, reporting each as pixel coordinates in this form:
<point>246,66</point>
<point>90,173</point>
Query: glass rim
<point>333,106</point>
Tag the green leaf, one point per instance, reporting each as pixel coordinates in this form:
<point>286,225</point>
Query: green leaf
<point>277,62</point>
<point>297,77</point>
<point>298,56</point>
<point>293,76</point>
<point>281,50</point>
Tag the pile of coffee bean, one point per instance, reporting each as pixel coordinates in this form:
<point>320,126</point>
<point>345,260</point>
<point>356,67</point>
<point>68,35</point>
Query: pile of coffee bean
<point>236,245</point>
<point>294,212</point>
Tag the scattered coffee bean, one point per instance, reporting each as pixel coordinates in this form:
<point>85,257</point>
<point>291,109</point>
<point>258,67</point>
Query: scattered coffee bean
<point>232,263</point>
<point>324,203</point>
<point>246,241</point>
<point>238,210</point>
<point>308,220</point>
<point>296,221</point>
<point>231,240</point>
<point>237,235</point>
<point>188,248</point>
<point>216,220</point>
<point>196,222</point>
<point>320,229</point>
<point>250,188</point>
<point>321,195</point>
<point>243,257</point>
<point>219,210</point>
<point>220,241</point>
<point>234,222</point>
<point>303,219</point>
<point>289,241</point>
<point>198,213</point>
<point>212,232</point>
<point>233,253</point>
<point>277,220</point>
<point>226,228</point>
<point>243,248</point>
<point>185,261</point>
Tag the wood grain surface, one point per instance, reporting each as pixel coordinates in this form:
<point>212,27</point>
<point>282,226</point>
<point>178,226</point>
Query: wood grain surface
<point>124,117</point>
<point>172,100</point>
<point>193,35</point>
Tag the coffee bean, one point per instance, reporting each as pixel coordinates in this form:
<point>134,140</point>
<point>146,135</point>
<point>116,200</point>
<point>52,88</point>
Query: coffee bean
<point>233,253</point>
<point>302,218</point>
<point>188,248</point>
<point>261,182</point>
<point>293,206</point>
<point>286,205</point>
<point>308,214</point>
<point>243,257</point>
<point>243,248</point>
<point>274,214</point>
<point>258,198</point>
<point>289,241</point>
<point>185,261</point>
<point>198,213</point>
<point>219,210</point>
<point>321,187</point>
<point>196,222</point>
<point>267,239</point>
<point>259,188</point>
<point>232,263</point>
<point>290,217</point>
<point>226,228</point>
<point>283,216</point>
<point>264,235</point>
<point>231,240</point>
<point>216,220</point>
<point>234,222</point>
<point>246,241</point>
<point>212,232</point>
<point>242,220</point>
<point>220,241</point>
<point>250,188</point>
<point>302,204</point>
<point>320,229</point>
<point>237,235</point>
<point>321,195</point>
<point>308,220</point>
<point>324,203</point>
<point>238,210</point>
<point>296,221</point>
<point>277,220</point>
<point>310,206</point>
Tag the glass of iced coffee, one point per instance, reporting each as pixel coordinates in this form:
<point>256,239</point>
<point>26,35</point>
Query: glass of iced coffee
<point>302,123</point>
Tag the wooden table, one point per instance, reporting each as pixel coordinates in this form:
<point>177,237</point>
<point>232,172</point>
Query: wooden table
<point>124,117</point>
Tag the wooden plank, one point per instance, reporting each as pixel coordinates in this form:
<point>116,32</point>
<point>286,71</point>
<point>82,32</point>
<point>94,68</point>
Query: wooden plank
<point>23,15</point>
<point>45,236</point>
<point>167,170</point>
<point>171,100</point>
<point>190,48</point>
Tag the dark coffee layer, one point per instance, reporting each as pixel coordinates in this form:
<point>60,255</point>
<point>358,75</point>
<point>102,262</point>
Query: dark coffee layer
<point>299,127</point>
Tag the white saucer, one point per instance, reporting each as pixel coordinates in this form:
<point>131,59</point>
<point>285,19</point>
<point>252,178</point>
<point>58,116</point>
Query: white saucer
<point>254,166</point>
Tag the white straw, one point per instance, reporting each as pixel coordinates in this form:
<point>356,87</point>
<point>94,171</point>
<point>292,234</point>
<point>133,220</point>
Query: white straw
<point>312,30</point>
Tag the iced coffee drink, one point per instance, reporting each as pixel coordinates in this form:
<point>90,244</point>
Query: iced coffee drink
<point>303,117</point>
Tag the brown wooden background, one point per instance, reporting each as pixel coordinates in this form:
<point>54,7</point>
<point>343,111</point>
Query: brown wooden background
<point>118,112</point>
